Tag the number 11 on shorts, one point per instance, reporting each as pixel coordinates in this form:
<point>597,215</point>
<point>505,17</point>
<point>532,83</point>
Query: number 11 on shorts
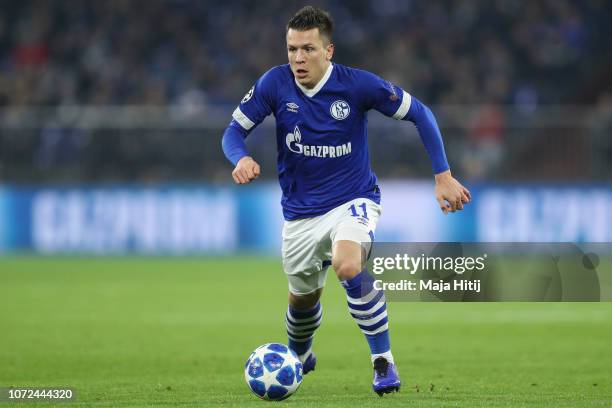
<point>354,210</point>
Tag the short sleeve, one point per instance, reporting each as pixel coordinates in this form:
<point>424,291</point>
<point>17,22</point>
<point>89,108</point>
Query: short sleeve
<point>382,95</point>
<point>258,102</point>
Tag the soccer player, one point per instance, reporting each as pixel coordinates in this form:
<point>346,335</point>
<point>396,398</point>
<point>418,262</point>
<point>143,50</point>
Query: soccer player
<point>331,200</point>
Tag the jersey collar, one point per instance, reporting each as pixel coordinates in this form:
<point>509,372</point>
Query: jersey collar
<point>312,92</point>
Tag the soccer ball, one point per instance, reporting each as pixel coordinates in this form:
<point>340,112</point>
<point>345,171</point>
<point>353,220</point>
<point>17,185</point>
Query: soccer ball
<point>273,372</point>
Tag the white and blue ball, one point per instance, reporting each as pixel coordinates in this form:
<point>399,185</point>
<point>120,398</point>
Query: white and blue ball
<point>273,372</point>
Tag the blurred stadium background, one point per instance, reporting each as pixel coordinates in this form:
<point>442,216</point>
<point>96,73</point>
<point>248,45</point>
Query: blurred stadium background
<point>111,115</point>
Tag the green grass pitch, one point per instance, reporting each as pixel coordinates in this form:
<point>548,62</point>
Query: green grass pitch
<point>146,332</point>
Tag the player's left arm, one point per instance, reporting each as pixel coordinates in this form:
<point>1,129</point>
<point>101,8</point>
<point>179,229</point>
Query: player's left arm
<point>392,101</point>
<point>450,194</point>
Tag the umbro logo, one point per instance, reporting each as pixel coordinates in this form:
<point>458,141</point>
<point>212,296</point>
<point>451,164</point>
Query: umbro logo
<point>292,107</point>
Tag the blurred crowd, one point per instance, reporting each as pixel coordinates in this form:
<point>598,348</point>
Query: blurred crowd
<point>193,54</point>
<point>159,51</point>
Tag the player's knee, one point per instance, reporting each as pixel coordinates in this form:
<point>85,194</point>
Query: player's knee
<point>347,269</point>
<point>304,302</point>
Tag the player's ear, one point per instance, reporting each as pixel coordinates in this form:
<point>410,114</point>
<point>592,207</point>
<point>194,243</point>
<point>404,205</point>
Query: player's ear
<point>329,51</point>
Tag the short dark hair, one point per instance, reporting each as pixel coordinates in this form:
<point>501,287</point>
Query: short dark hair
<point>310,17</point>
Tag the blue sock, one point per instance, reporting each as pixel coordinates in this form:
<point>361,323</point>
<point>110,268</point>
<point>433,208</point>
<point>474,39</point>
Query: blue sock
<point>369,309</point>
<point>301,325</point>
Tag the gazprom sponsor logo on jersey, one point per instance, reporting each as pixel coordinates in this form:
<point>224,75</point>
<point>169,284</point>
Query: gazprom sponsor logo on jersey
<point>340,109</point>
<point>294,144</point>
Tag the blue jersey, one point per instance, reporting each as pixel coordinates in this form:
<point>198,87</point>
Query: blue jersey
<point>321,134</point>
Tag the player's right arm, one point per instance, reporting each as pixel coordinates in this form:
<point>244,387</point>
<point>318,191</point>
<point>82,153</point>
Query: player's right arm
<point>246,168</point>
<point>253,109</point>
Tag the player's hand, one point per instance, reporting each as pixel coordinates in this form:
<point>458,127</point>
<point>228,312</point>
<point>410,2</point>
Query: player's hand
<point>451,195</point>
<point>246,170</point>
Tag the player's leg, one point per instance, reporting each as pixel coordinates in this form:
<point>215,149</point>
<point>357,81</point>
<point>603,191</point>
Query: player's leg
<point>366,304</point>
<point>305,302</point>
<point>305,268</point>
<point>352,239</point>
<point>303,318</point>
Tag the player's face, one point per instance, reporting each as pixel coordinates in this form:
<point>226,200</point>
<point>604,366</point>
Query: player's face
<point>309,55</point>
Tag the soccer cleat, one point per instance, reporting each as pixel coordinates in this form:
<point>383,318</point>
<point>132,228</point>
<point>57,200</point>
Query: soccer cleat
<point>309,364</point>
<point>386,378</point>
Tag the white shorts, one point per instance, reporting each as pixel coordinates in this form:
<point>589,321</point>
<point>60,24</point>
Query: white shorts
<point>307,243</point>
